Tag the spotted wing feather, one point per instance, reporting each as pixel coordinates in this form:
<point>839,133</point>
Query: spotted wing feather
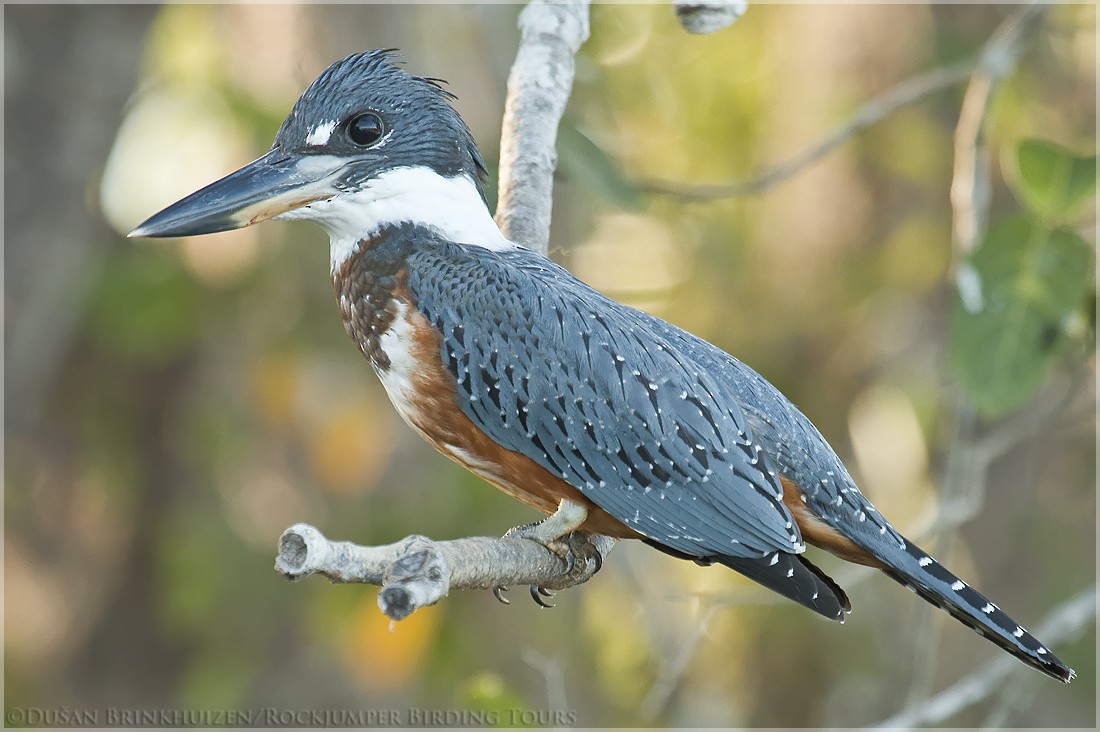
<point>594,394</point>
<point>678,439</point>
<point>802,454</point>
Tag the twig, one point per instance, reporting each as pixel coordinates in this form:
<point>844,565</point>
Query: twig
<point>971,188</point>
<point>904,94</point>
<point>708,17</point>
<point>970,185</point>
<point>1064,625</point>
<point>962,493</point>
<point>1022,425</point>
<point>1015,694</point>
<point>552,674</point>
<point>416,571</point>
<point>538,88</point>
<point>672,672</point>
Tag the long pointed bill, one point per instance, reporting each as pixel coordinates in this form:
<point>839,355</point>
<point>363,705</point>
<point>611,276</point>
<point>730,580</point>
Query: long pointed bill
<point>267,187</point>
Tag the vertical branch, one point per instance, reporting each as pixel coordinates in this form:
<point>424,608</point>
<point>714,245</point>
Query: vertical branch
<point>418,572</point>
<point>963,485</point>
<point>708,17</point>
<point>539,85</point>
<point>674,668</point>
<point>553,674</point>
<point>970,186</point>
<point>1067,622</point>
<point>964,481</point>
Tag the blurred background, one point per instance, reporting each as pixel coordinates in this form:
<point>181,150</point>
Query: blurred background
<point>172,406</point>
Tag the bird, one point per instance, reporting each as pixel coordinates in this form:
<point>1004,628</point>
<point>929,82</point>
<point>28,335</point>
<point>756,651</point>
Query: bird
<point>607,419</point>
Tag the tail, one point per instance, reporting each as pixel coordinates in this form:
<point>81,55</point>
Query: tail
<point>933,582</point>
<point>794,577</point>
<point>791,575</point>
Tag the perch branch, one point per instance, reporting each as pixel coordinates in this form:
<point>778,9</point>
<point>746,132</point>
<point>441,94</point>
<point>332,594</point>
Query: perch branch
<point>904,94</point>
<point>971,189</point>
<point>416,571</point>
<point>539,85</point>
<point>1064,625</point>
<point>965,479</point>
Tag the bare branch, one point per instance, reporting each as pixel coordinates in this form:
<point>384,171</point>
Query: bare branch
<point>538,88</point>
<point>971,189</point>
<point>709,17</point>
<point>967,464</point>
<point>905,94</point>
<point>1065,624</point>
<point>416,571</point>
<point>674,670</point>
<point>1041,416</point>
<point>553,674</point>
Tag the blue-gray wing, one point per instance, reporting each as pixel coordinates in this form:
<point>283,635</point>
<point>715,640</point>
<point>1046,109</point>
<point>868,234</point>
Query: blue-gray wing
<point>593,392</point>
<point>794,445</point>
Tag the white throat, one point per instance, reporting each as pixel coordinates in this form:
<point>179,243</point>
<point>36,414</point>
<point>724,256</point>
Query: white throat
<point>418,195</point>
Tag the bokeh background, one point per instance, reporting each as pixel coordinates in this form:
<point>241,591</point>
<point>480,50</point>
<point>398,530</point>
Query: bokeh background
<point>171,407</point>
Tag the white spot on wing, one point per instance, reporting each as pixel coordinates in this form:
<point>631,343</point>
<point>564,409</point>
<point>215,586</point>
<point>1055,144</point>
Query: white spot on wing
<point>958,585</point>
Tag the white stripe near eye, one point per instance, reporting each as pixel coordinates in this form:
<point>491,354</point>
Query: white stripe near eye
<point>320,134</point>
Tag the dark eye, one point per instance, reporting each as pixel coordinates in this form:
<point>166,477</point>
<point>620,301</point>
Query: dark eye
<point>366,129</point>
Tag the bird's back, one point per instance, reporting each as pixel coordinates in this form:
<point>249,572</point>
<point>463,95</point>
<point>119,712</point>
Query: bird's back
<point>595,393</point>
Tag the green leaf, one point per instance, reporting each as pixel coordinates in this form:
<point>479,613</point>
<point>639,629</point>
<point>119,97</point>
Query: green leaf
<point>584,161</point>
<point>1052,181</point>
<point>1032,279</point>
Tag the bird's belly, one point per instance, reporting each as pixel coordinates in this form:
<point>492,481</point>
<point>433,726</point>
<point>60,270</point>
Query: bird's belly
<point>407,383</point>
<point>397,344</point>
<point>423,393</point>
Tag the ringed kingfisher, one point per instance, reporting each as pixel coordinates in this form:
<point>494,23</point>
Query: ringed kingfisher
<point>607,419</point>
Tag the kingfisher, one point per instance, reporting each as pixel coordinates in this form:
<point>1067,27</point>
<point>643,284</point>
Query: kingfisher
<point>606,419</point>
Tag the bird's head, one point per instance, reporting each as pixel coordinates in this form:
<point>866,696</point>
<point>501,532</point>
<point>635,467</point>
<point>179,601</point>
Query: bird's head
<point>368,144</point>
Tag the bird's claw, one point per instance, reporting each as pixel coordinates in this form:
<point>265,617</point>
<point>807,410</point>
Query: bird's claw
<point>574,549</point>
<point>537,593</point>
<point>568,556</point>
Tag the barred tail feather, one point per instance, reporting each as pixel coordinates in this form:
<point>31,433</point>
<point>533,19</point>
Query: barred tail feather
<point>915,569</point>
<point>794,577</point>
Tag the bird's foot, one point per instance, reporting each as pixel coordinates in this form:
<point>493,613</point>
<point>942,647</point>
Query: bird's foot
<point>550,531</point>
<point>537,593</point>
<point>577,551</point>
<point>558,534</point>
<point>556,545</point>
